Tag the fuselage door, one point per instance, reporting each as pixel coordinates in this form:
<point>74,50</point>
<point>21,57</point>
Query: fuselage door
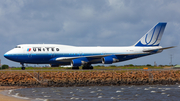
<point>53,52</point>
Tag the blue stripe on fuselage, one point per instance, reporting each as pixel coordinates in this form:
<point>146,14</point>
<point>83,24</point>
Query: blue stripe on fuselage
<point>46,58</point>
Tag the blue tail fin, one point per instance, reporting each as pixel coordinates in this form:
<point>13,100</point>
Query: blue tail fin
<point>153,36</point>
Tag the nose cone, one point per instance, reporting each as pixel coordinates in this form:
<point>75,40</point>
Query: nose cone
<point>12,55</point>
<point>9,55</point>
<point>6,55</point>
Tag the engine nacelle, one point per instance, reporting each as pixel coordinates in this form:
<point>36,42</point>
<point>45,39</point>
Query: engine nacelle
<point>76,62</point>
<point>109,60</point>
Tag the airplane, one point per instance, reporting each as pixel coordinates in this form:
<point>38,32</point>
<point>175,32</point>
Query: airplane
<point>56,54</point>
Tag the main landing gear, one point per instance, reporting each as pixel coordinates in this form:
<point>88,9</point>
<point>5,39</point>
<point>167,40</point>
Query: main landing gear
<point>23,68</point>
<point>75,67</point>
<point>87,66</point>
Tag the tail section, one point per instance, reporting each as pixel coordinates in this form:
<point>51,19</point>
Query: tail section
<point>153,36</point>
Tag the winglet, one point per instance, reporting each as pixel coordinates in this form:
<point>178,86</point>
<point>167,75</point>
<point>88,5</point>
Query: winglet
<point>153,36</point>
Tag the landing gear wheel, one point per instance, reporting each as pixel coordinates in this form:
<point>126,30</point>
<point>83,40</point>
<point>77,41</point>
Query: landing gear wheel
<point>23,68</point>
<point>84,67</point>
<point>75,67</point>
<point>91,67</point>
<point>87,66</point>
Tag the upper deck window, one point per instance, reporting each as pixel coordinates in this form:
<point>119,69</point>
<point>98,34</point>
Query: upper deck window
<point>18,47</point>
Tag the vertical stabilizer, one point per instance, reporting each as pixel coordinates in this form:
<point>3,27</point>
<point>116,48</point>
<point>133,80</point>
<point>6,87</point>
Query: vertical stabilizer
<point>153,36</point>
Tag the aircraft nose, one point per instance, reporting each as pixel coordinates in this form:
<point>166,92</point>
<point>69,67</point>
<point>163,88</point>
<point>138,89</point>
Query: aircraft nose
<point>11,55</point>
<point>6,55</point>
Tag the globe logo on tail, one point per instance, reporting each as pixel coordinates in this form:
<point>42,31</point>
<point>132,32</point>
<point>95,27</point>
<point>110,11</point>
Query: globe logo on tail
<point>153,36</point>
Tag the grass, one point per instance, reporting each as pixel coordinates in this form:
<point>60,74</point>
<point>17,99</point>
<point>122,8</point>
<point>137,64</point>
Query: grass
<point>128,67</point>
<point>95,67</point>
<point>119,69</point>
<point>40,68</point>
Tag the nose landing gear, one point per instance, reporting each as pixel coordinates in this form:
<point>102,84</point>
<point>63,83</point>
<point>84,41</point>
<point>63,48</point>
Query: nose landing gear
<point>23,68</point>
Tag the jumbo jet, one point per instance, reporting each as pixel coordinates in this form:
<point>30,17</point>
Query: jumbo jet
<point>56,54</point>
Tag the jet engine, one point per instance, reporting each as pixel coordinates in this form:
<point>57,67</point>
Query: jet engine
<point>77,62</point>
<point>109,60</point>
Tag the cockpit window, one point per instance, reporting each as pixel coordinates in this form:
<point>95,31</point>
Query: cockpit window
<point>18,47</point>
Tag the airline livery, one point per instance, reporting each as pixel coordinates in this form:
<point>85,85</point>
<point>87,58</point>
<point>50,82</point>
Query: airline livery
<point>56,55</point>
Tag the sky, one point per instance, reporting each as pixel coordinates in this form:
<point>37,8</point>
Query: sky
<point>89,23</point>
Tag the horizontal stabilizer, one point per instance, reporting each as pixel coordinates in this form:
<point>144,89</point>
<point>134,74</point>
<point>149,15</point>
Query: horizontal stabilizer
<point>159,49</point>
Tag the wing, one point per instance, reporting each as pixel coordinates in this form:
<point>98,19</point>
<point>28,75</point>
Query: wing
<point>95,58</point>
<point>91,58</point>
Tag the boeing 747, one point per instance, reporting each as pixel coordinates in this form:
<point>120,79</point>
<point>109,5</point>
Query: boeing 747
<point>56,54</point>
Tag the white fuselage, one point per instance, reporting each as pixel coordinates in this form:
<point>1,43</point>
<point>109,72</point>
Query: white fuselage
<point>44,53</point>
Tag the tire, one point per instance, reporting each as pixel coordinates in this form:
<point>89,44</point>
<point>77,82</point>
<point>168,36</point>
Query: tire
<point>87,67</point>
<point>91,67</point>
<point>75,67</point>
<point>23,68</point>
<point>84,67</point>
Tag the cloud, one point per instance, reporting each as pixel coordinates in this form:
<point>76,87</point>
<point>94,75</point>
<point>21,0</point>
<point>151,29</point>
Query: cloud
<point>87,23</point>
